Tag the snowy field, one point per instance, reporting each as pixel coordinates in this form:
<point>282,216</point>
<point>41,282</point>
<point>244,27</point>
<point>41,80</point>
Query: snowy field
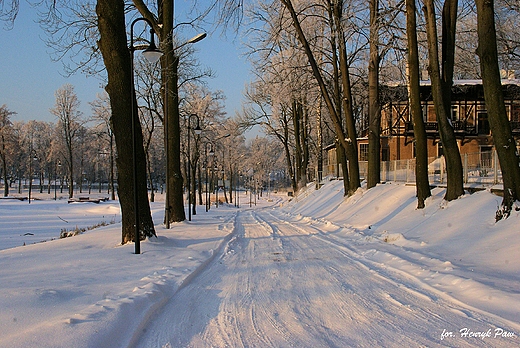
<point>317,271</point>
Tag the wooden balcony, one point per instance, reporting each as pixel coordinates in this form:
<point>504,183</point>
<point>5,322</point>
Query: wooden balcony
<point>515,128</point>
<point>432,128</point>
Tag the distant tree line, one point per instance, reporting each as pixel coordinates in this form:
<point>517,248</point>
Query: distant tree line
<point>77,153</point>
<point>71,152</point>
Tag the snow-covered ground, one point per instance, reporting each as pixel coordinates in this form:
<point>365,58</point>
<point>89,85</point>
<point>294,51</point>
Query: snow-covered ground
<point>317,271</point>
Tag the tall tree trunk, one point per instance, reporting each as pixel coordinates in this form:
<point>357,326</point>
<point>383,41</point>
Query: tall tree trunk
<point>320,147</point>
<point>298,156</point>
<point>351,149</point>
<point>505,143</point>
<point>71,175</point>
<point>172,129</point>
<point>113,47</point>
<point>201,186</point>
<point>232,184</point>
<point>374,108</point>
<point>419,131</point>
<point>193,184</point>
<point>169,80</point>
<point>287,151</point>
<point>4,167</point>
<point>341,157</point>
<point>150,179</point>
<point>455,187</point>
<point>305,142</point>
<point>112,176</point>
<point>449,22</point>
<point>163,26</point>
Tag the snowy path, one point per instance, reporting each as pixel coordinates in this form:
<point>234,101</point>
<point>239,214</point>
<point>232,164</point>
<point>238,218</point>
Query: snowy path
<point>282,283</point>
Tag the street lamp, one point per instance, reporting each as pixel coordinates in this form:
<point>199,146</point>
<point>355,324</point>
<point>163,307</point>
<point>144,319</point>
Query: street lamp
<point>216,170</point>
<point>236,187</point>
<point>56,165</point>
<point>238,197</point>
<point>197,130</point>
<point>152,54</point>
<point>193,40</point>
<point>222,172</point>
<point>237,174</point>
<point>35,158</point>
<point>251,189</point>
<point>269,187</point>
<point>206,153</point>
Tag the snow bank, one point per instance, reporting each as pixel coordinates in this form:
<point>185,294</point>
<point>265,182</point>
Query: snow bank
<point>454,247</point>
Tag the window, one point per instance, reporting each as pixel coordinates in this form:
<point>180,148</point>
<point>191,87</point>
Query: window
<point>455,113</point>
<point>431,115</point>
<point>483,123</point>
<point>440,149</point>
<point>515,112</point>
<point>385,154</point>
<point>363,152</point>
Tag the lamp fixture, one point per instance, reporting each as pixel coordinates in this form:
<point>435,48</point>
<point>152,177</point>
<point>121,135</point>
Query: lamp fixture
<point>152,53</point>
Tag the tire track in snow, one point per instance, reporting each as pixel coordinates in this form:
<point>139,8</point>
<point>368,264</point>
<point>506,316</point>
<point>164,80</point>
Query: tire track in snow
<point>280,283</point>
<point>404,282</point>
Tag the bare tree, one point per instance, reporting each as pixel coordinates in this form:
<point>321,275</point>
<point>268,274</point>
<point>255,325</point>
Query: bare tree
<point>275,120</point>
<point>101,114</point>
<point>70,121</point>
<point>374,107</point>
<point>9,11</point>
<point>6,141</point>
<point>441,90</point>
<point>419,131</point>
<point>209,110</point>
<point>350,143</point>
<point>507,22</point>
<point>113,46</point>
<point>505,144</point>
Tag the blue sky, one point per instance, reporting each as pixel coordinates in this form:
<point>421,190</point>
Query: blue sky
<point>29,78</point>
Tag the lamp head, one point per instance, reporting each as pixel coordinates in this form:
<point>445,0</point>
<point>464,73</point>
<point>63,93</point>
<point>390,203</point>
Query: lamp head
<point>197,130</point>
<point>197,38</point>
<point>152,53</point>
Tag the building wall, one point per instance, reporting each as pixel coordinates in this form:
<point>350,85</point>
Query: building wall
<point>468,117</point>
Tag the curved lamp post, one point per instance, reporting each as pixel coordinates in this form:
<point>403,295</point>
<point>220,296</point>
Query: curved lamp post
<point>152,54</point>
<point>206,153</point>
<point>31,158</point>
<point>56,165</point>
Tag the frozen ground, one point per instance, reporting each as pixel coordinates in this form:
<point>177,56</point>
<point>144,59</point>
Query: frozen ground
<point>319,271</point>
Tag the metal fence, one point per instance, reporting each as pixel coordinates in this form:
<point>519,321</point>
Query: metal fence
<point>480,168</point>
